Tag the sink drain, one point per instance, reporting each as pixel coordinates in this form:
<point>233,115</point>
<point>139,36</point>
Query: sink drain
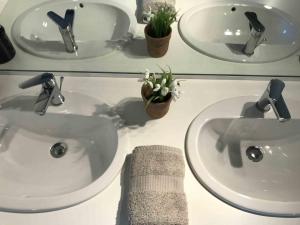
<point>254,153</point>
<point>58,150</point>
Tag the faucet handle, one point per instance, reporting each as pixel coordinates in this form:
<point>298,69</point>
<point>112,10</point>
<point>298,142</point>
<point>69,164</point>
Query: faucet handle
<point>69,16</point>
<point>276,87</point>
<point>254,22</point>
<point>43,78</point>
<point>61,22</point>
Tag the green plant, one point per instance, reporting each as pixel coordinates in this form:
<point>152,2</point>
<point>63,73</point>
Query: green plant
<point>161,87</point>
<point>161,20</point>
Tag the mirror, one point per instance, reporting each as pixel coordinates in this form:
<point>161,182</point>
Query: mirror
<point>114,42</point>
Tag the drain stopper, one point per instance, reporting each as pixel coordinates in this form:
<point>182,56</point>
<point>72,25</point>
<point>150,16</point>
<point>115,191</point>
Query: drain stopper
<point>58,150</point>
<point>254,153</point>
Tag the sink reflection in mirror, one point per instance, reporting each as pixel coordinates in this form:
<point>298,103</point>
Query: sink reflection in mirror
<point>98,27</point>
<point>231,32</point>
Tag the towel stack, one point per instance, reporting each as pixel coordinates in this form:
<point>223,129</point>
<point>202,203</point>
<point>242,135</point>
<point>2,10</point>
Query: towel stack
<point>156,192</point>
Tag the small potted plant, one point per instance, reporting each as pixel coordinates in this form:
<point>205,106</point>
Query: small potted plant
<point>158,30</point>
<point>157,91</point>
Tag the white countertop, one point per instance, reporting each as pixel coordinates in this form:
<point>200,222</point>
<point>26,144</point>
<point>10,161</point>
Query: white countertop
<point>203,207</point>
<point>134,58</point>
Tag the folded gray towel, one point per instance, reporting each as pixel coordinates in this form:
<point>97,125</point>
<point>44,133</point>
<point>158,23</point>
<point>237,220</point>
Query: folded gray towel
<point>146,5</point>
<point>156,194</point>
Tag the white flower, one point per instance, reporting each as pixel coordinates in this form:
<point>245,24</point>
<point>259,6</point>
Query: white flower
<point>148,82</point>
<point>157,87</point>
<point>161,85</point>
<point>164,91</point>
<point>173,85</point>
<point>147,74</point>
<point>154,76</point>
<point>147,15</point>
<point>176,94</point>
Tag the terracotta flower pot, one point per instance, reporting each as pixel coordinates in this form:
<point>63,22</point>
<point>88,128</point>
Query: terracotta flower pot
<point>157,47</point>
<point>155,110</point>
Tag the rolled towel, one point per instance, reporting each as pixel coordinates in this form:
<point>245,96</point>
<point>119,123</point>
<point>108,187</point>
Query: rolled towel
<point>153,5</point>
<point>156,193</point>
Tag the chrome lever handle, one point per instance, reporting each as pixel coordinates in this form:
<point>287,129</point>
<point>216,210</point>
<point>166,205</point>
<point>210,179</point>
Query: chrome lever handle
<point>276,87</point>
<point>254,22</point>
<point>39,79</point>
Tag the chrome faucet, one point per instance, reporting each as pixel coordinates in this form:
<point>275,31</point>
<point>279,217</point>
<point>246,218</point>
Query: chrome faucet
<point>65,26</point>
<point>50,93</point>
<point>272,97</point>
<point>256,32</point>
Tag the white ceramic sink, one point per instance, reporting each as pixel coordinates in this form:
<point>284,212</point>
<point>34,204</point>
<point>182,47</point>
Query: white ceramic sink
<point>216,148</point>
<point>31,179</point>
<point>98,27</point>
<point>221,29</point>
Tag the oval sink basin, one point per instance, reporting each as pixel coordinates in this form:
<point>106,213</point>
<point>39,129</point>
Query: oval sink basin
<point>221,30</point>
<point>98,29</point>
<point>219,148</point>
<point>34,180</point>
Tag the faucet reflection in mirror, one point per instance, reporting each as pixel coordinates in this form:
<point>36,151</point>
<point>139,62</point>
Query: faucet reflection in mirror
<point>65,26</point>
<point>256,32</point>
